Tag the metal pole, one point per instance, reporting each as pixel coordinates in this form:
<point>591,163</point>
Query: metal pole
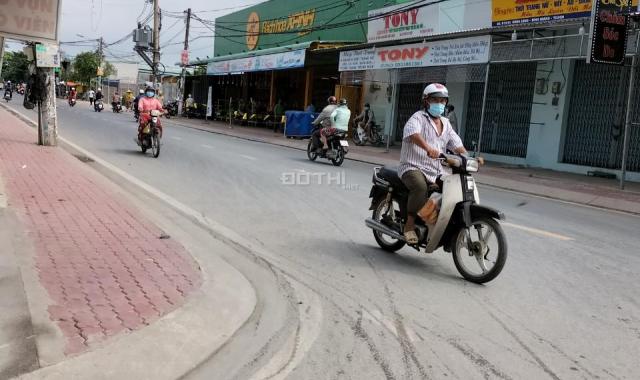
<point>629,113</point>
<point>393,78</point>
<point>484,105</point>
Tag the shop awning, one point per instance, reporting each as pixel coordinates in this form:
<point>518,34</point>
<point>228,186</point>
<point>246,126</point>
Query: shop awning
<point>278,58</point>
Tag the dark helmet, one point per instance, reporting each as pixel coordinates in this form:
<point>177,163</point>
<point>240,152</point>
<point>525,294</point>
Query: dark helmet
<point>332,100</point>
<point>150,89</point>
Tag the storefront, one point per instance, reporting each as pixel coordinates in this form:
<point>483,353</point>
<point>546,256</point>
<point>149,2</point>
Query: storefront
<point>282,53</point>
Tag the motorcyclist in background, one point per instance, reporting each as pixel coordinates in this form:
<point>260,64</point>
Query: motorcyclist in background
<point>146,104</point>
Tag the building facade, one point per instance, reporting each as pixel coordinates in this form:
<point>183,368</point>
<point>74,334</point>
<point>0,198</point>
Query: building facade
<point>517,72</point>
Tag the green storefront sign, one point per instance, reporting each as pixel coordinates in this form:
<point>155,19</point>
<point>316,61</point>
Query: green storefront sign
<point>280,23</point>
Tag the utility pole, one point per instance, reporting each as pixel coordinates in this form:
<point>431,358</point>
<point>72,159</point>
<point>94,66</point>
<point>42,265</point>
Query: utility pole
<point>100,57</point>
<point>2,52</point>
<point>156,41</point>
<point>184,66</point>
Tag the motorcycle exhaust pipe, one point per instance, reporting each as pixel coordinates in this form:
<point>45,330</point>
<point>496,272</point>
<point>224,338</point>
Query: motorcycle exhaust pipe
<point>375,225</point>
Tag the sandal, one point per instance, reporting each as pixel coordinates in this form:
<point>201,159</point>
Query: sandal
<point>410,237</point>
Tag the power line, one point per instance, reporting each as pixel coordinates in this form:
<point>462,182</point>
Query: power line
<point>327,26</point>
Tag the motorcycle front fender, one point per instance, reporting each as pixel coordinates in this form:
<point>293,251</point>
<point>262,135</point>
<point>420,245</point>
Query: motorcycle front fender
<point>476,211</point>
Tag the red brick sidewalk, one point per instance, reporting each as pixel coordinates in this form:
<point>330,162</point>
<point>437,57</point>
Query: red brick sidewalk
<point>103,265</point>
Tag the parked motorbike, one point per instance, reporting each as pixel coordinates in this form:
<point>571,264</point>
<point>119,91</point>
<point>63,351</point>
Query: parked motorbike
<point>338,147</point>
<point>7,95</point>
<point>172,109</point>
<point>98,106</point>
<point>72,102</point>
<point>151,135</point>
<point>464,227</point>
<point>116,107</point>
<point>360,136</point>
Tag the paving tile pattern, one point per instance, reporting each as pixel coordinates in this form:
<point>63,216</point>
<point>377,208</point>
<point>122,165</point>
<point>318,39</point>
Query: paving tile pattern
<point>106,268</point>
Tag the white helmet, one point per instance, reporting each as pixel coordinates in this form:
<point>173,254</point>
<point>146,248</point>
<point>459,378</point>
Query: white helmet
<point>436,90</point>
<point>141,91</point>
<point>100,89</point>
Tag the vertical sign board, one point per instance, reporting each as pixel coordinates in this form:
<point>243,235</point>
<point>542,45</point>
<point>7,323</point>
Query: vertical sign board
<point>47,55</point>
<point>33,20</point>
<point>609,26</point>
<point>210,102</point>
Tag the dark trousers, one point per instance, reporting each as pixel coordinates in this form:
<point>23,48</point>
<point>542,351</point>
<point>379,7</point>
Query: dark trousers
<point>418,187</point>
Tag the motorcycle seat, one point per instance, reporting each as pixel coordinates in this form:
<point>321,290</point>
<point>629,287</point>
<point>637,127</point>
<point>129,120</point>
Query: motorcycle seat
<point>390,174</point>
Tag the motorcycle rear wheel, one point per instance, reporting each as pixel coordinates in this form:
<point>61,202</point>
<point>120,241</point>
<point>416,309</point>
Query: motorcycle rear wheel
<point>311,151</point>
<point>482,252</point>
<point>385,242</point>
<point>339,157</point>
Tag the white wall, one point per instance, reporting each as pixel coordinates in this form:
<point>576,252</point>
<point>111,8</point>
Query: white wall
<point>545,132</point>
<point>378,99</point>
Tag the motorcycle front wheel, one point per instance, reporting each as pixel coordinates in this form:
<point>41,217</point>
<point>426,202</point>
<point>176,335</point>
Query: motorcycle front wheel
<point>155,145</point>
<point>480,252</point>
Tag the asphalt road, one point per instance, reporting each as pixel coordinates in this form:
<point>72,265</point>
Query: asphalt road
<point>566,305</point>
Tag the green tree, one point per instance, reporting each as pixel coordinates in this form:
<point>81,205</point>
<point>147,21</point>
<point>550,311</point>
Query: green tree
<point>15,66</point>
<point>85,67</point>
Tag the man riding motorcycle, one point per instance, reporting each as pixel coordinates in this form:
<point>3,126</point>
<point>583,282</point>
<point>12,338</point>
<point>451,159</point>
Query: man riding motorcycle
<point>9,89</point>
<point>115,100</point>
<point>136,100</point>
<point>324,119</point>
<point>426,135</point>
<point>147,104</point>
<point>72,95</point>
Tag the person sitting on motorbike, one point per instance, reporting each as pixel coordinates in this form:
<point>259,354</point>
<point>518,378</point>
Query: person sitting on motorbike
<point>99,95</point>
<point>72,94</point>
<point>366,120</point>
<point>9,89</point>
<point>136,100</point>
<point>426,135</point>
<point>115,99</point>
<point>147,104</point>
<point>339,119</point>
<point>324,119</point>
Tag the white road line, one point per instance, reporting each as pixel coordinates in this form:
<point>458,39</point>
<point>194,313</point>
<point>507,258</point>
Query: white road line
<point>536,231</point>
<point>206,146</point>
<point>248,157</point>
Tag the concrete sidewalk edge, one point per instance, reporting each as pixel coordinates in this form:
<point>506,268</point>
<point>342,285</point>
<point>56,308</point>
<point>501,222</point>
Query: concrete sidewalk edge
<point>225,295</point>
<point>541,191</point>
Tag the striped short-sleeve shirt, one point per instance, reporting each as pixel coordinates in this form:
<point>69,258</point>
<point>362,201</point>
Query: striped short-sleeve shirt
<point>413,157</point>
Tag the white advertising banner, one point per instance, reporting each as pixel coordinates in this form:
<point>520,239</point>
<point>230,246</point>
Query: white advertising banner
<point>462,51</point>
<point>411,23</point>
<point>30,20</point>
<point>287,60</point>
<point>47,55</point>
<point>406,21</point>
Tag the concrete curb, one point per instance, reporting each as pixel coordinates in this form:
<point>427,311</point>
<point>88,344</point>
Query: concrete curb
<point>547,192</point>
<point>179,341</point>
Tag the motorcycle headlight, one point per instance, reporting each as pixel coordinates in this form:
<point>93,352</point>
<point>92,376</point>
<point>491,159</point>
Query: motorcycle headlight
<point>154,119</point>
<point>472,165</point>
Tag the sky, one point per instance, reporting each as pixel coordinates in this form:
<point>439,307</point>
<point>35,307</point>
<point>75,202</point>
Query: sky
<point>113,19</point>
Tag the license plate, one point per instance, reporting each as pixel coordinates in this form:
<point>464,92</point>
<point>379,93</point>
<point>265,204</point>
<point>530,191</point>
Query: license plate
<point>344,143</point>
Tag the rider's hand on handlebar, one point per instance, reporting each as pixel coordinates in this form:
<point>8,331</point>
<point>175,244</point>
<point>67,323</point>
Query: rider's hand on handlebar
<point>433,153</point>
